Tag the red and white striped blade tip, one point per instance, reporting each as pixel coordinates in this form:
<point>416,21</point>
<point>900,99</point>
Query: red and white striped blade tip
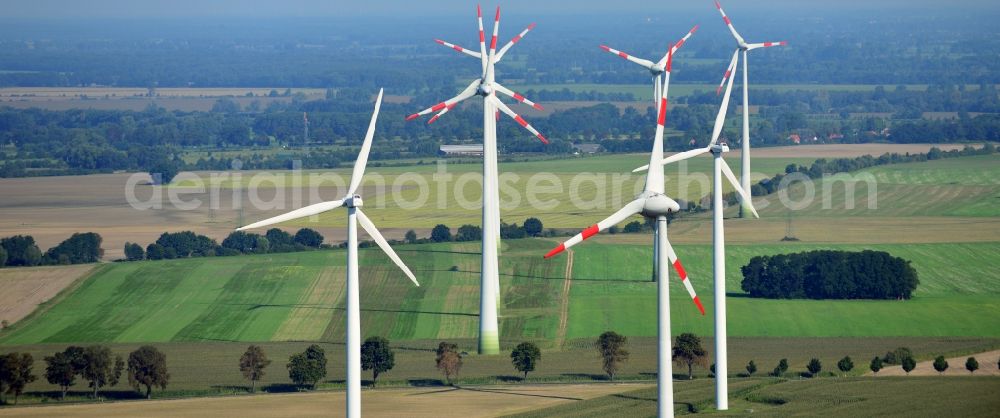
<point>557,250</point>
<point>701,308</point>
<point>413,116</point>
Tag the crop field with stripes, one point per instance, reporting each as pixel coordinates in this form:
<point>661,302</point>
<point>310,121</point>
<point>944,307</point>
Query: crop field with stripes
<point>299,296</point>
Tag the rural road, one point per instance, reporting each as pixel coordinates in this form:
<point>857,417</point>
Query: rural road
<point>564,301</point>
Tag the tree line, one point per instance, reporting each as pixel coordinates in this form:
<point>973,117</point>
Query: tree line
<point>97,365</point>
<point>184,244</point>
<point>829,274</point>
<point>21,250</point>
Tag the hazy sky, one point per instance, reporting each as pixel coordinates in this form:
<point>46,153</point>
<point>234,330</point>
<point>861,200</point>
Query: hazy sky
<point>32,9</point>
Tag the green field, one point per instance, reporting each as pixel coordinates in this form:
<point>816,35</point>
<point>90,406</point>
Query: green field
<point>600,183</point>
<point>922,397</point>
<point>680,90</point>
<point>298,296</point>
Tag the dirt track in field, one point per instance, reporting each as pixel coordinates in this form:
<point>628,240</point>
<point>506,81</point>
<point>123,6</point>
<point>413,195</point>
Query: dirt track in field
<point>956,367</point>
<point>480,401</point>
<point>22,289</point>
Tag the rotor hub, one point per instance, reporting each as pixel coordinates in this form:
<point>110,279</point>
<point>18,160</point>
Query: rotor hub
<point>354,202</point>
<point>484,89</point>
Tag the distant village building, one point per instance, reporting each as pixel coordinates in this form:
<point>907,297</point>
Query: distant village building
<point>462,149</point>
<point>587,148</point>
<point>795,138</point>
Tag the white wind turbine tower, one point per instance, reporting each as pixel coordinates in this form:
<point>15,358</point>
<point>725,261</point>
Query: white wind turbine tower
<point>656,70</point>
<point>487,87</point>
<point>742,47</point>
<point>653,203</point>
<point>352,201</point>
<point>718,241</point>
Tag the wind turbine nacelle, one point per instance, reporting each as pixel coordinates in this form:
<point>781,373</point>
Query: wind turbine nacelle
<point>659,205</point>
<point>484,89</point>
<point>354,202</point>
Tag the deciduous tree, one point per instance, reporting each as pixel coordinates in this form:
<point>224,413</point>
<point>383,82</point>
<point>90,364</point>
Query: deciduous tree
<point>100,368</point>
<point>814,366</point>
<point>908,364</point>
<point>147,367</point>
<point>62,368</point>
<point>377,356</point>
<point>971,365</point>
<point>611,345</point>
<point>307,367</point>
<point>448,360</point>
<point>940,364</point>
<point>751,368</point>
<point>688,351</point>
<point>252,364</point>
<point>875,365</point>
<point>15,371</point>
<point>845,364</point>
<point>525,357</point>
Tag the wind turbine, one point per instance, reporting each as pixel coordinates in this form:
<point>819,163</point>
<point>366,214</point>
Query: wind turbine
<point>742,47</point>
<point>487,87</point>
<point>352,201</point>
<point>656,70</point>
<point>718,239</point>
<point>653,203</point>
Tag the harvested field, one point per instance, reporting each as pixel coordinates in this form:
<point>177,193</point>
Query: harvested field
<point>473,401</point>
<point>956,367</point>
<point>23,289</point>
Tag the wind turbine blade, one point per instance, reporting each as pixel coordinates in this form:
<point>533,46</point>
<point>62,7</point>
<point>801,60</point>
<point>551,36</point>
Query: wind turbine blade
<point>516,96</point>
<point>503,108</point>
<point>513,41</point>
<point>680,156</point>
<point>482,38</point>
<point>366,147</point>
<point>459,49</point>
<point>645,63</point>
<point>384,245</point>
<point>739,189</point>
<point>720,119</point>
<point>729,72</point>
<point>493,40</point>
<point>632,208</point>
<point>751,47</point>
<point>450,103</point>
<point>672,256</point>
<point>296,214</point>
<point>673,49</point>
<point>441,113</point>
<point>729,23</point>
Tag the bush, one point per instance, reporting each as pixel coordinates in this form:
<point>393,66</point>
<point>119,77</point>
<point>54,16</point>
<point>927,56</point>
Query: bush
<point>971,365</point>
<point>441,233</point>
<point>875,365</point>
<point>308,237</point>
<point>814,366</point>
<point>845,364</point>
<point>828,274</point>
<point>134,252</point>
<point>940,364</point>
<point>469,233</point>
<point>78,248</point>
<point>896,356</point>
<point>21,251</point>
<point>307,367</point>
<point>533,227</point>
<point>246,243</point>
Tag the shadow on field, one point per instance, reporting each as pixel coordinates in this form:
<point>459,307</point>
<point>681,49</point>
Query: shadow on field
<point>440,251</point>
<point>737,295</point>
<point>280,388</point>
<point>116,395</point>
<point>596,377</point>
<point>514,393</point>
<point>508,378</point>
<point>420,383</point>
